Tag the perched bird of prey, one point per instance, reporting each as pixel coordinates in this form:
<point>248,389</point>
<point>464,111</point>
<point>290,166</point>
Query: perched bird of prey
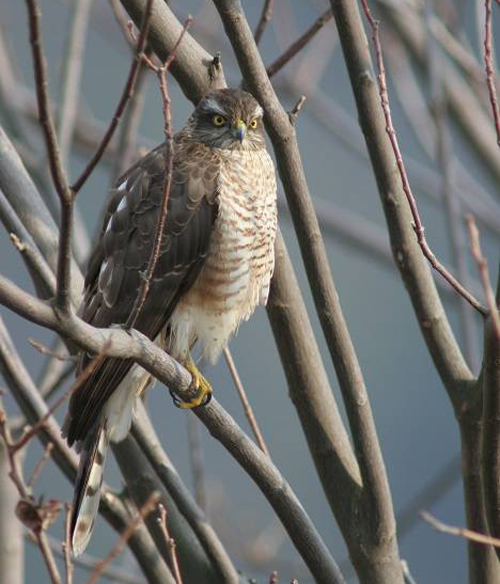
<point>215,266</point>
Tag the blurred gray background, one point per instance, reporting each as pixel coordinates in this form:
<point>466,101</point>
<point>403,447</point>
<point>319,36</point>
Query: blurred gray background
<point>416,426</point>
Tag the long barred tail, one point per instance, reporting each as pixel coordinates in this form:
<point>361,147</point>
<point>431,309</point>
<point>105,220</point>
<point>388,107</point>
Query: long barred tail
<point>88,488</point>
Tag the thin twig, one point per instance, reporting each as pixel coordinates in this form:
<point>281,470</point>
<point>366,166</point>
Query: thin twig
<point>406,573</point>
<point>482,265</point>
<point>60,356</point>
<point>460,531</point>
<point>265,17</point>
<point>66,546</point>
<point>48,557</point>
<point>40,464</point>
<point>490,73</point>
<point>144,511</point>
<point>161,72</point>
<point>162,520</point>
<point>244,400</point>
<point>38,516</point>
<point>127,93</point>
<point>300,43</point>
<point>66,195</point>
<point>294,112</point>
<point>417,221</point>
<point>443,151</point>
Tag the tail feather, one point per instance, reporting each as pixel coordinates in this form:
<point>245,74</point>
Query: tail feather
<point>88,488</point>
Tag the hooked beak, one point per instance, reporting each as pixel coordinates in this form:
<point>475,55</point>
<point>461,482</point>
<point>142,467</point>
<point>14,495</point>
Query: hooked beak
<point>239,130</point>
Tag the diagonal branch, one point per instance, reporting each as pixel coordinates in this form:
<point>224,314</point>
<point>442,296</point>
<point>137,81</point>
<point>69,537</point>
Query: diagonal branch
<point>265,18</point>
<point>299,44</point>
<point>417,221</point>
<point>126,95</point>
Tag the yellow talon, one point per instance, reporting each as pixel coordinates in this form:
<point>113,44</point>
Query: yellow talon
<point>200,384</point>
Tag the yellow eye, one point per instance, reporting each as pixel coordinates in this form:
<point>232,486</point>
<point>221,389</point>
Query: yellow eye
<point>253,124</point>
<point>218,120</point>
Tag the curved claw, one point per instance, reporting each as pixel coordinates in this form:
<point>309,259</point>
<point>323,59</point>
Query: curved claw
<point>199,384</point>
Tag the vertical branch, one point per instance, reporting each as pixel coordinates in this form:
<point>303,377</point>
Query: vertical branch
<point>11,530</point>
<point>445,158</point>
<point>66,195</point>
<point>161,73</point>
<point>490,73</point>
<point>196,460</point>
<point>171,544</point>
<point>72,68</point>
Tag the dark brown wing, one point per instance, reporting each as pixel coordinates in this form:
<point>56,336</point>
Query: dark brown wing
<point>122,253</point>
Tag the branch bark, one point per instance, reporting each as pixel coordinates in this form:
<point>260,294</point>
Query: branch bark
<point>377,512</point>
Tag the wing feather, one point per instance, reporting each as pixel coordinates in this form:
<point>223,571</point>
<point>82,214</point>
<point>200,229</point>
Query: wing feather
<point>122,252</point>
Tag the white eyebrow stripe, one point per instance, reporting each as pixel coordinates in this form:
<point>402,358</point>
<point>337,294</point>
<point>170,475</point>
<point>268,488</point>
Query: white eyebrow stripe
<point>258,112</point>
<point>213,105</point>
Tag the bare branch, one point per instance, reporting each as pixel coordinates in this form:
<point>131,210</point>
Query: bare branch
<point>460,531</point>
<point>482,265</point>
<point>417,222</point>
<point>40,465</point>
<point>161,72</point>
<point>66,545</point>
<point>193,66</point>
<point>299,44</point>
<point>59,177</point>
<point>143,512</point>
<point>34,408</point>
<point>147,440</point>
<point>126,94</point>
<point>196,461</point>
<point>37,517</point>
<point>265,17</point>
<point>71,75</point>
<point>50,352</point>
<point>490,73</point>
<point>171,544</point>
<point>375,486</point>
<point>247,408</point>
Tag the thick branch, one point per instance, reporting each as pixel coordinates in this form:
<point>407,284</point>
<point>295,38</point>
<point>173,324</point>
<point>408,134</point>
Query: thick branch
<point>23,196</point>
<point>491,429</point>
<point>34,408</point>
<point>193,65</point>
<point>414,270</point>
<point>377,499</point>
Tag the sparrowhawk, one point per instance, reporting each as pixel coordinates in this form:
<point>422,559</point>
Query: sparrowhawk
<point>214,267</point>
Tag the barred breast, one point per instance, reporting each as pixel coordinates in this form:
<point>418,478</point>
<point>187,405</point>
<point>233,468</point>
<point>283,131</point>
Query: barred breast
<point>238,269</point>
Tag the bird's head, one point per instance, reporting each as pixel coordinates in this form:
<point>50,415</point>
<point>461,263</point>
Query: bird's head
<point>228,119</point>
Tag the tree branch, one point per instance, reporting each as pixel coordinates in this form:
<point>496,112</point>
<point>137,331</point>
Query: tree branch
<point>128,90</point>
<point>376,494</point>
<point>299,44</point>
<point>265,18</point>
<point>417,222</point>
<point>490,72</point>
<point>59,177</point>
<point>413,267</point>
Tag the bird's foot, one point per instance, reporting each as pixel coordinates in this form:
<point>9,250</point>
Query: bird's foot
<point>199,384</point>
